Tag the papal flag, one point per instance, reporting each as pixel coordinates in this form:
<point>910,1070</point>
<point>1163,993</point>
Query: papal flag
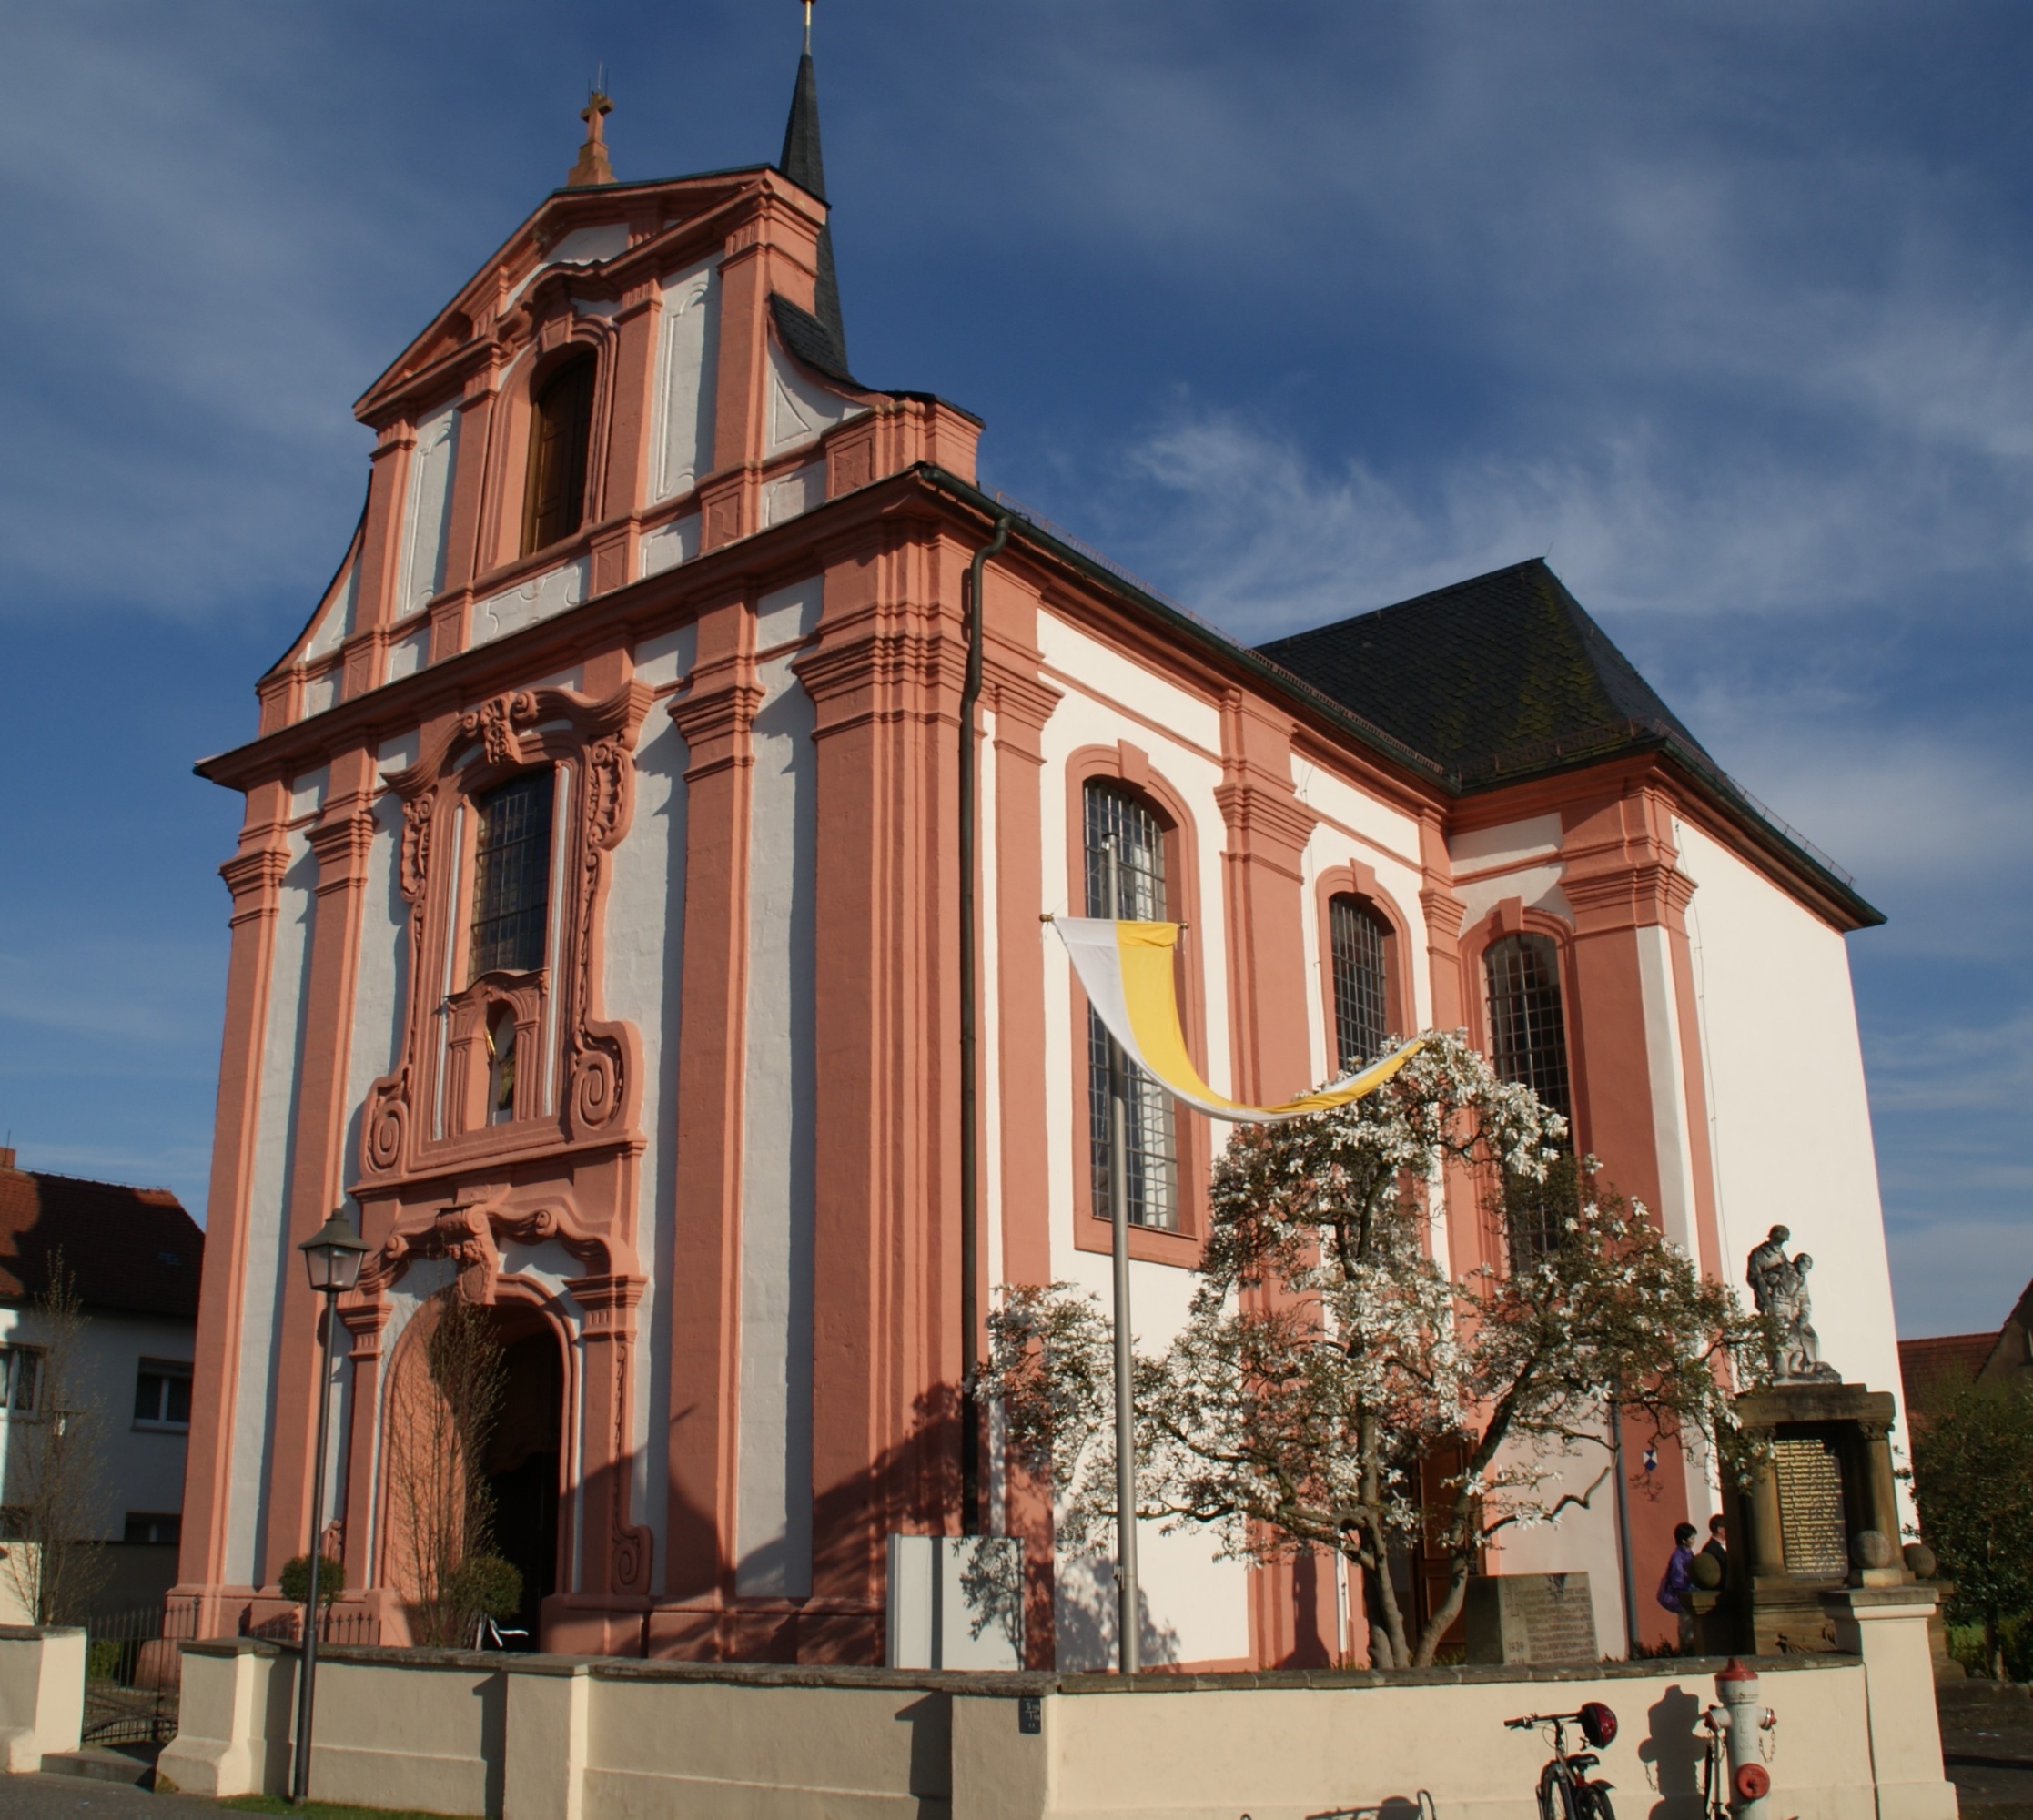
<point>1127,971</point>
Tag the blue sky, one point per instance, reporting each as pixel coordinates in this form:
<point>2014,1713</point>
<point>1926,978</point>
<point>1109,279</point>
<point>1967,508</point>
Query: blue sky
<point>1296,309</point>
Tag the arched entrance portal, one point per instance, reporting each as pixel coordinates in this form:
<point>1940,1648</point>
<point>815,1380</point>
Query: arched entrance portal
<point>523,1462</point>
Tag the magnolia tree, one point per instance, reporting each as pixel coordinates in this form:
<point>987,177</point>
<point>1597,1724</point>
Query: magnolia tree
<point>1330,1362</point>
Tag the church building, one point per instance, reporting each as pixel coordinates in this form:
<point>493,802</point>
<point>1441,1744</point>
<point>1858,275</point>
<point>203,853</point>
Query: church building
<point>597,943</point>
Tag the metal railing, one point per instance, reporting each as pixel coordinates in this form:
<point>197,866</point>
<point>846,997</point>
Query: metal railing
<point>131,1675</point>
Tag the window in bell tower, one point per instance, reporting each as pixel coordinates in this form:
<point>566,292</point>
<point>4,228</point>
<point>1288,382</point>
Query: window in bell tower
<point>560,432</point>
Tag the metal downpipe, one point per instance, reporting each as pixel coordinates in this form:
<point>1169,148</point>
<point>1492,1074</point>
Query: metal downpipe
<point>970,1067</point>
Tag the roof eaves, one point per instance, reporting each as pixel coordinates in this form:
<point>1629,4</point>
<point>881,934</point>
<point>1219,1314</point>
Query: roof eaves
<point>1091,564</point>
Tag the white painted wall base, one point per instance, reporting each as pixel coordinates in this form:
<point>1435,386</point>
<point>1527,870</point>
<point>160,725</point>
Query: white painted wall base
<point>955,1602</point>
<point>42,1694</point>
<point>534,1737</point>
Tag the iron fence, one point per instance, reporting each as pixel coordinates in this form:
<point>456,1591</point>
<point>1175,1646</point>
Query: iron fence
<point>131,1674</point>
<point>338,1626</point>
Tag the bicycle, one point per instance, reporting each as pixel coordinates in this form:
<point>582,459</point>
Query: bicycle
<point>1566,1792</point>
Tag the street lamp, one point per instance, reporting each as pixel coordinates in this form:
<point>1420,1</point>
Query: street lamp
<point>332,1254</point>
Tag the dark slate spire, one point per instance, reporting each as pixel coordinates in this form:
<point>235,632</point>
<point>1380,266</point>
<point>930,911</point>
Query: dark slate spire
<point>802,163</point>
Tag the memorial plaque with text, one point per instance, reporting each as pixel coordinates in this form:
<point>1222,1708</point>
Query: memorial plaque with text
<point>1811,1515</point>
<point>1531,1617</point>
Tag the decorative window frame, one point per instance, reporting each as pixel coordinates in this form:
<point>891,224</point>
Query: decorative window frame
<point>1358,879</point>
<point>1128,766</point>
<point>577,1075</point>
<point>557,333</point>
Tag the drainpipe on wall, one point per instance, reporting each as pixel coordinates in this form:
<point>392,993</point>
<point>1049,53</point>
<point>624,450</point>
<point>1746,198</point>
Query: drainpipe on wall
<point>970,1068</point>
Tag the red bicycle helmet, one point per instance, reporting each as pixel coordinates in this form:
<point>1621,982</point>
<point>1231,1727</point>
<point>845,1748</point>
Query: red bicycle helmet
<point>1598,1724</point>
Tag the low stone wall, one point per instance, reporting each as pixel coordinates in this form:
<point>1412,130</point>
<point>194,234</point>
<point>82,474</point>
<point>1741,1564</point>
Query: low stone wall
<point>539,1737</point>
<point>42,1693</point>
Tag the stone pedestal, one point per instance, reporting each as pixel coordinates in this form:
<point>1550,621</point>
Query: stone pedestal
<point>1887,1626</point>
<point>1828,1482</point>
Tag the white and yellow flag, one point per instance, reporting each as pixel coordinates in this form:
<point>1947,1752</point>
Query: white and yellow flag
<point>1127,971</point>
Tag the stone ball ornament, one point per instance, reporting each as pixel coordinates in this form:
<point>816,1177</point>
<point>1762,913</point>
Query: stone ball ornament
<point>1706,1573</point>
<point>1921,1560</point>
<point>1871,1548</point>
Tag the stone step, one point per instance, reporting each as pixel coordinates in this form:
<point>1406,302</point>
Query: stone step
<point>103,1765</point>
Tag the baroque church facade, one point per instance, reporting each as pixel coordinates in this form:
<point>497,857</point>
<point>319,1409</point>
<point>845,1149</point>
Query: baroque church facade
<point>596,939</point>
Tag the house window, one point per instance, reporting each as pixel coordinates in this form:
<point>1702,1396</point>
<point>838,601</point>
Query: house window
<point>162,1393</point>
<point>1355,939</point>
<point>153,1526</point>
<point>1125,879</point>
<point>511,877</point>
<point>561,430</point>
<point>20,1370</point>
<point>1528,1033</point>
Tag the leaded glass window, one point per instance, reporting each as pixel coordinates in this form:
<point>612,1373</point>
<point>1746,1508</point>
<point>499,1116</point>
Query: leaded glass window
<point>1528,1031</point>
<point>1528,1044</point>
<point>1356,937</point>
<point>1125,879</point>
<point>511,877</point>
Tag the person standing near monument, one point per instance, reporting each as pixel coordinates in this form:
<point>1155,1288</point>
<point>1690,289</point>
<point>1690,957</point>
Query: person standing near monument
<point>1678,1580</point>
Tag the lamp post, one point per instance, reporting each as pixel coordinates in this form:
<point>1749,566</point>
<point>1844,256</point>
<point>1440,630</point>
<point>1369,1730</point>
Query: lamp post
<point>332,1254</point>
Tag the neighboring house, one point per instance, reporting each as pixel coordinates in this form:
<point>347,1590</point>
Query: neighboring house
<point>134,1256</point>
<point>1933,1369</point>
<point>595,931</point>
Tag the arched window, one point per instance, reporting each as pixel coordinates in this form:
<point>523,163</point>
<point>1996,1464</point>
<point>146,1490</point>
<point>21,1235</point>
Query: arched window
<point>1528,1044</point>
<point>1357,936</point>
<point>561,430</point>
<point>1528,1029</point>
<point>511,882</point>
<point>1126,878</point>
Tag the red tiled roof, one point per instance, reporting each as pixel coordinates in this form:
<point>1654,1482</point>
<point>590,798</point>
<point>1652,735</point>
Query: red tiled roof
<point>1932,1369</point>
<point>132,1249</point>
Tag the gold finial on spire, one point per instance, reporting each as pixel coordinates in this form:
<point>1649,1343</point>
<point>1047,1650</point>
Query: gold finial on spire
<point>808,27</point>
<point>593,167</point>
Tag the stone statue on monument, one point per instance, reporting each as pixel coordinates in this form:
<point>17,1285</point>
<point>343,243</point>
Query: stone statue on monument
<point>1779,1286</point>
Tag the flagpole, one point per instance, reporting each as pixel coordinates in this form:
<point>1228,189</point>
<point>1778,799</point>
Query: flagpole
<point>1128,1626</point>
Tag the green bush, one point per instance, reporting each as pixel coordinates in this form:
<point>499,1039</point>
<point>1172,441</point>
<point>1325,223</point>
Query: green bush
<point>486,1586</point>
<point>2014,1636</point>
<point>295,1579</point>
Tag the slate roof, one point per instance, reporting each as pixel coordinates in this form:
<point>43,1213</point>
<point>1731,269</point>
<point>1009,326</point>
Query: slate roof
<point>130,1250</point>
<point>804,164</point>
<point>1488,678</point>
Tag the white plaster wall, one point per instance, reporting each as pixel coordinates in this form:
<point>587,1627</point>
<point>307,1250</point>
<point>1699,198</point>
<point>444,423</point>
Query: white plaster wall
<point>688,360</point>
<point>337,619</point>
<point>265,1254</point>
<point>1194,1606</point>
<point>772,1526</point>
<point>1585,1541</point>
<point>542,597</point>
<point>669,545</point>
<point>645,945</point>
<point>802,408</point>
<point>426,509</point>
<point>1102,673</point>
<point>1789,1123</point>
<point>141,1465</point>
